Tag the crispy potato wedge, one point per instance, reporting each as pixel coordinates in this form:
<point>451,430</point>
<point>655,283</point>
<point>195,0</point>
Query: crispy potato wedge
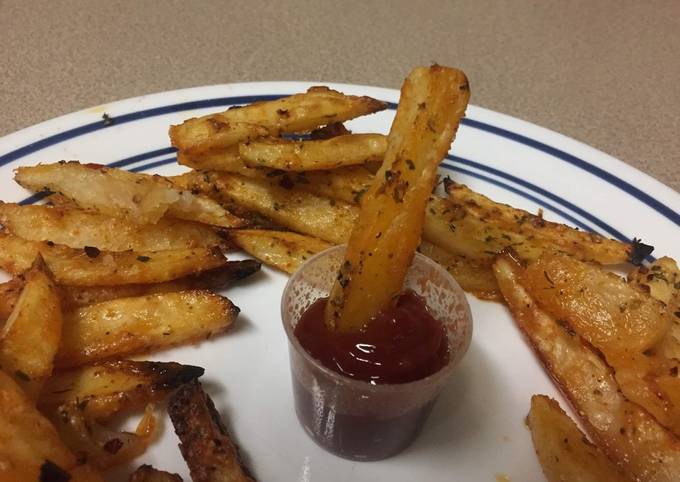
<point>227,160</point>
<point>212,279</point>
<point>139,198</point>
<point>600,306</point>
<point>313,155</point>
<point>294,209</point>
<point>146,473</point>
<point>624,431</point>
<point>389,227</point>
<point>347,184</point>
<point>473,276</point>
<point>107,388</point>
<point>77,228</point>
<point>127,326</point>
<point>662,281</point>
<point>205,444</point>
<point>30,337</point>
<point>458,224</point>
<point>563,451</point>
<point>297,113</point>
<point>30,447</point>
<point>617,319</point>
<point>284,250</point>
<point>91,267</point>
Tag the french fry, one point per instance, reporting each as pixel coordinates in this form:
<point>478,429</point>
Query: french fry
<point>313,155</point>
<point>297,113</point>
<point>347,184</point>
<point>389,227</point>
<point>77,228</point>
<point>294,209</point>
<point>146,473</point>
<point>474,276</point>
<point>624,431</point>
<point>139,198</point>
<point>30,337</point>
<point>563,451</point>
<point>284,250</point>
<point>30,447</point>
<point>106,388</point>
<point>91,267</point>
<point>213,279</point>
<point>224,160</point>
<point>205,444</point>
<point>127,326</point>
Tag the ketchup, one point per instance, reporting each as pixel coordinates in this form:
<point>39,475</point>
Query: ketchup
<point>399,345</point>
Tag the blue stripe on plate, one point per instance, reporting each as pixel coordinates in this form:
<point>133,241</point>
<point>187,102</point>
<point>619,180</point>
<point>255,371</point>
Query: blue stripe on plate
<point>661,208</point>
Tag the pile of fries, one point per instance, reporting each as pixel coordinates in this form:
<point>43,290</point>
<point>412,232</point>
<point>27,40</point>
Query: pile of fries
<point>117,264</point>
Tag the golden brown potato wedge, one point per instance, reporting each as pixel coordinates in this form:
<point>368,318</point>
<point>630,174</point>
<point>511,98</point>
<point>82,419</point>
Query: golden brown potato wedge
<point>146,473</point>
<point>224,160</point>
<point>139,198</point>
<point>109,387</point>
<point>297,113</point>
<point>294,209</point>
<point>624,431</point>
<point>347,184</point>
<point>92,267</point>
<point>30,447</point>
<point>389,227</point>
<point>284,250</point>
<point>662,281</point>
<point>474,276</point>
<point>498,226</point>
<point>213,279</point>
<point>205,444</point>
<point>600,306</point>
<point>126,326</point>
<point>563,451</point>
<point>30,337</point>
<point>313,155</point>
<point>77,228</point>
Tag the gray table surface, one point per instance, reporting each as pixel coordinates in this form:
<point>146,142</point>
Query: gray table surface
<point>604,72</point>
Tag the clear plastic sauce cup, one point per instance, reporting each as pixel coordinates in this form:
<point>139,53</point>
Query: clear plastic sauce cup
<point>352,418</point>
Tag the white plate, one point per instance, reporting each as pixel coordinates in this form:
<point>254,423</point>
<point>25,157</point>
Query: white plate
<point>477,428</point>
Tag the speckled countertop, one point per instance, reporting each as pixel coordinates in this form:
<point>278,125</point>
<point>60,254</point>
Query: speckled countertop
<point>606,73</point>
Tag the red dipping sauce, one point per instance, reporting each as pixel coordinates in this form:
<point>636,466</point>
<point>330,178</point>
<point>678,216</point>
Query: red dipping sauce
<point>400,345</point>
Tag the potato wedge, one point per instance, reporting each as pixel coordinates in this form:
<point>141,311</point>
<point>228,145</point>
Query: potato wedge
<point>213,279</point>
<point>205,444</point>
<point>91,267</point>
<point>281,249</point>
<point>139,198</point>
<point>498,226</point>
<point>224,160</point>
<point>294,209</point>
<point>625,432</point>
<point>474,276</point>
<point>662,281</point>
<point>563,451</point>
<point>128,326</point>
<point>77,228</point>
<point>313,155</point>
<point>146,473</point>
<point>389,227</point>
<point>601,307</point>
<point>106,388</point>
<point>297,113</point>
<point>30,337</point>
<point>347,184</point>
<point>30,447</point>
